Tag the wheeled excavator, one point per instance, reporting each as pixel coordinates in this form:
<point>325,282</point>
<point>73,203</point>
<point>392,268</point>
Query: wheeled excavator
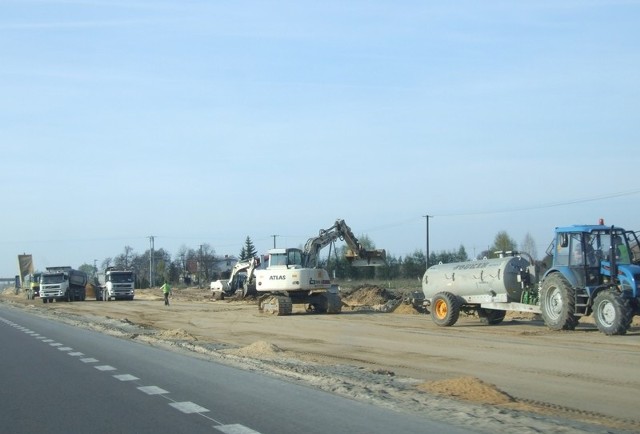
<point>293,276</point>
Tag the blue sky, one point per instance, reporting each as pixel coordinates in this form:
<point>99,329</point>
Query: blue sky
<point>209,121</point>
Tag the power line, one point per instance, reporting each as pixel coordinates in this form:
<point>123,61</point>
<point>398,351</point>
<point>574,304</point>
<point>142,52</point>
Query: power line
<point>543,206</point>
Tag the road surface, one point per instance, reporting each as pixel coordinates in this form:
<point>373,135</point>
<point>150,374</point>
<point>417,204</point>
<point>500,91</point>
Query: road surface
<point>59,378</point>
<point>482,377</point>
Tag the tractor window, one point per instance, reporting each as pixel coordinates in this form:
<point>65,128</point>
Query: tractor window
<point>562,251</point>
<point>577,252</point>
<point>621,250</point>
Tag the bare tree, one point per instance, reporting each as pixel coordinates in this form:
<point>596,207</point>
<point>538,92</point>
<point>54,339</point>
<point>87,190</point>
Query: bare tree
<point>529,246</point>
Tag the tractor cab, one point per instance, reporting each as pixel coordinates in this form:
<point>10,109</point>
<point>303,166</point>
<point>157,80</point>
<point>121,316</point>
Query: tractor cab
<point>594,256</point>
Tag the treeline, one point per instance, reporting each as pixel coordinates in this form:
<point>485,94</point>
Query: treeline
<point>200,266</point>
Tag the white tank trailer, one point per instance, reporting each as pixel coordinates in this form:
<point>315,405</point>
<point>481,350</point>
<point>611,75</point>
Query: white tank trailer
<point>488,287</point>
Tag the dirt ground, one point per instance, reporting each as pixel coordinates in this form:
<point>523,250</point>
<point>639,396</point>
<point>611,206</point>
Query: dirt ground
<point>514,377</point>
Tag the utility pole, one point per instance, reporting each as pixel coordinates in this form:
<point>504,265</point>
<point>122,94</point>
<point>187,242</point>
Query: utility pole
<point>274,240</point>
<point>200,268</point>
<point>151,254</point>
<point>427,217</point>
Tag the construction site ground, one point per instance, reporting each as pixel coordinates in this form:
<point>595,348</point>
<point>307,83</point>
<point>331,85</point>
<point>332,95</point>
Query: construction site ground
<point>515,377</point>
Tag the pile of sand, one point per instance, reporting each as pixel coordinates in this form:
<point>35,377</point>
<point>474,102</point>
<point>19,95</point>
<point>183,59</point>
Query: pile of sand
<point>469,389</point>
<point>256,349</point>
<point>404,308</point>
<point>368,296</point>
<point>176,334</point>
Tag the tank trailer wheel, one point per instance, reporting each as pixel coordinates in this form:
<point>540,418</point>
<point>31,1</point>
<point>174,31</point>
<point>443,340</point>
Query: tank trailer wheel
<point>491,316</point>
<point>445,309</point>
<point>612,312</point>
<point>557,303</point>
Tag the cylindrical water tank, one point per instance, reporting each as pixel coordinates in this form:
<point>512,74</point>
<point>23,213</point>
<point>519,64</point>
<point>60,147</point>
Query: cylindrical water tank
<point>495,277</point>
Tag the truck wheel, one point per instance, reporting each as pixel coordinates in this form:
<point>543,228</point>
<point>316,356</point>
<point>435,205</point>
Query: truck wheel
<point>612,312</point>
<point>445,309</point>
<point>491,316</point>
<point>558,303</point>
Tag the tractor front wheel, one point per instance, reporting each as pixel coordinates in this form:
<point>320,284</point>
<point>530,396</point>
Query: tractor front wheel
<point>612,312</point>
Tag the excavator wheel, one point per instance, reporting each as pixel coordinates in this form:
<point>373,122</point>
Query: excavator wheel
<point>334,302</point>
<point>276,305</point>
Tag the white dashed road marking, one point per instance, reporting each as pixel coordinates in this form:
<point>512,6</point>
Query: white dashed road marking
<point>235,428</point>
<point>105,368</point>
<point>152,390</point>
<point>188,407</point>
<point>126,377</point>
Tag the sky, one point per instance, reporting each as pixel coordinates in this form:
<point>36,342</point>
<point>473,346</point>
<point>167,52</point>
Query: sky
<point>204,122</point>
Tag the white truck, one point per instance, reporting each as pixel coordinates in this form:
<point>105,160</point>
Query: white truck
<point>116,284</point>
<point>63,284</point>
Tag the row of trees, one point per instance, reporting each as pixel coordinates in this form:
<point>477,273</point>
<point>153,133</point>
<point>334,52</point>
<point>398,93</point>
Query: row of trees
<point>200,266</point>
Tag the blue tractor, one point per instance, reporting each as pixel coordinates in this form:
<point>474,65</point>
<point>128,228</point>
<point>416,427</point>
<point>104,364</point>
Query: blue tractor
<point>595,270</point>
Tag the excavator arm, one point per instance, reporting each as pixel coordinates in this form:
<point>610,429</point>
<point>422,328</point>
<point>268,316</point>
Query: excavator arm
<point>357,255</point>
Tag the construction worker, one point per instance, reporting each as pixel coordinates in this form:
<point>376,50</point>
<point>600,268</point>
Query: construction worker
<point>166,290</point>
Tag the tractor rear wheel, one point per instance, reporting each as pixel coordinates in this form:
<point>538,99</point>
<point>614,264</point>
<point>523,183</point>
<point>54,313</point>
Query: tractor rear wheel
<point>612,312</point>
<point>558,303</point>
<point>445,309</point>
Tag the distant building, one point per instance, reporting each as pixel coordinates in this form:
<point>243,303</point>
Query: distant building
<point>223,265</point>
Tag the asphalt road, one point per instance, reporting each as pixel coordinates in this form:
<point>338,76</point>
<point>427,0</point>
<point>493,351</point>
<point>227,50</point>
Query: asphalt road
<point>56,378</point>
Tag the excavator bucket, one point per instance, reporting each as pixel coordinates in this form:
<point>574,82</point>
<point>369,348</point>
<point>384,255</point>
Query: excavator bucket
<point>367,258</point>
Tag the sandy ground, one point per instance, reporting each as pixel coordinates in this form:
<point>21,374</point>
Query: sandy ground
<point>514,377</point>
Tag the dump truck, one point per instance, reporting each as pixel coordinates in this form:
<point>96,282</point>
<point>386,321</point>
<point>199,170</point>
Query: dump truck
<point>116,284</point>
<point>595,270</point>
<point>62,284</point>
